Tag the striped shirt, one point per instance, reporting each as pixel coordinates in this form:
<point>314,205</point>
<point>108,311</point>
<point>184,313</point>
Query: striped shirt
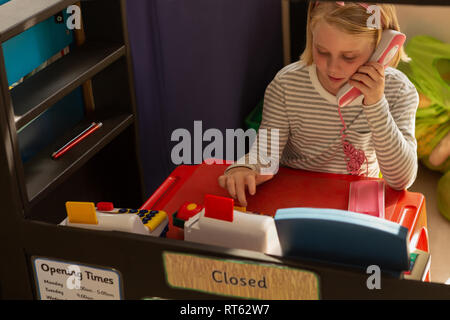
<point>309,125</point>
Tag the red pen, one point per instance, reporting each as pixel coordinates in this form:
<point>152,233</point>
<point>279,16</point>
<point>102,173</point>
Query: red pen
<point>83,135</point>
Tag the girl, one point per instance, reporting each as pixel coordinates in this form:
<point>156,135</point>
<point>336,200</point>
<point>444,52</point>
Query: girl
<point>374,133</point>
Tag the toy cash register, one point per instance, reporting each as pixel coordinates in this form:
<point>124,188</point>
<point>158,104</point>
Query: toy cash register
<point>107,218</point>
<point>219,224</point>
<point>295,188</point>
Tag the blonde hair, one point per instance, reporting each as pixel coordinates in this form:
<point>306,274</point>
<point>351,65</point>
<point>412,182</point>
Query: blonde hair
<point>351,18</point>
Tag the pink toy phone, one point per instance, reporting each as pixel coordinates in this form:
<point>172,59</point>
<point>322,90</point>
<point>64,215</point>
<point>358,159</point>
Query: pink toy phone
<point>390,42</point>
<point>367,196</point>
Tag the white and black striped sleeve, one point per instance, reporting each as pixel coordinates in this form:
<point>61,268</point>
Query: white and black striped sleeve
<point>393,135</point>
<point>265,154</point>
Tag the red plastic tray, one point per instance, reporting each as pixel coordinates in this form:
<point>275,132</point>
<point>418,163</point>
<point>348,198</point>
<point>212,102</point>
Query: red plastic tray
<point>289,188</point>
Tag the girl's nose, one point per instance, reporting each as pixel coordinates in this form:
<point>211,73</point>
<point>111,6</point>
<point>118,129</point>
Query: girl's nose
<point>333,66</point>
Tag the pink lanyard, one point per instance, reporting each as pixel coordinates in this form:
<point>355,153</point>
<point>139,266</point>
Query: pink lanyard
<point>354,157</point>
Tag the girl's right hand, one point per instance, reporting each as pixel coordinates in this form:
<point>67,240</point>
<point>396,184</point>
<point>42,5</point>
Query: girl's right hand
<point>236,179</point>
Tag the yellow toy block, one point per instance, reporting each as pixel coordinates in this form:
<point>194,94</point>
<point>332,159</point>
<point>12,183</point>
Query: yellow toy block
<point>191,206</point>
<point>81,212</point>
<point>154,222</point>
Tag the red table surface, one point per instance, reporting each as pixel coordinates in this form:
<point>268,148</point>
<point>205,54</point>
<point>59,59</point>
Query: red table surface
<point>289,188</point>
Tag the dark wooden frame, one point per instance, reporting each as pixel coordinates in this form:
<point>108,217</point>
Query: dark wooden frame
<point>29,219</point>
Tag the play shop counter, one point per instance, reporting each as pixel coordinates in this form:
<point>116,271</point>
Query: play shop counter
<point>328,251</point>
<point>288,189</point>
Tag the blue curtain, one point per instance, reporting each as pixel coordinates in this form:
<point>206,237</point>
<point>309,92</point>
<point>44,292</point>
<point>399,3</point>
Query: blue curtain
<point>206,60</point>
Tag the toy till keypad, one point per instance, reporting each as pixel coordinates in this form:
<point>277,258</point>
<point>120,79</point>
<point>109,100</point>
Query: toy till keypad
<point>150,218</point>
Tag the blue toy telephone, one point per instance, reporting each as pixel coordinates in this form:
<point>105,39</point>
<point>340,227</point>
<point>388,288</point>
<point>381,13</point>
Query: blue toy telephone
<point>390,42</point>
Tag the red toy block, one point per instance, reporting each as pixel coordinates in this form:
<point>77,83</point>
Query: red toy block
<point>188,209</point>
<point>105,206</point>
<point>219,207</point>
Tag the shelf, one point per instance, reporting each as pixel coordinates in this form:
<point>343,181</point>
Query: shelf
<point>17,16</point>
<point>41,91</point>
<point>42,173</point>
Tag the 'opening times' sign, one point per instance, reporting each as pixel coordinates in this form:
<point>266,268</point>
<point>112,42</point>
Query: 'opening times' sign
<point>59,280</point>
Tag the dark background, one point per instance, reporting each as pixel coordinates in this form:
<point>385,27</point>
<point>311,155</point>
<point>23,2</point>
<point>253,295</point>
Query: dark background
<point>199,60</point>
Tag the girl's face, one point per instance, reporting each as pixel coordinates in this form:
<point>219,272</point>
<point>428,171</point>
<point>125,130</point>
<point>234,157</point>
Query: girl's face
<point>338,55</point>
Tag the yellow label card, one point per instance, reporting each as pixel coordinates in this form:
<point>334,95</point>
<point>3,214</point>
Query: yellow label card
<point>239,278</point>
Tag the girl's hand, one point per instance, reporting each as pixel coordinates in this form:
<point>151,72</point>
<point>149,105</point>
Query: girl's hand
<point>369,79</point>
<point>236,179</point>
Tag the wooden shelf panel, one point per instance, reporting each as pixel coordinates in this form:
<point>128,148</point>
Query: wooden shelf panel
<point>17,16</point>
<point>42,173</point>
<point>41,91</point>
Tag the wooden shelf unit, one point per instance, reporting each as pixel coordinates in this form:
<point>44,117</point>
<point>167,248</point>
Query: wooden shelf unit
<point>103,60</point>
<point>40,92</point>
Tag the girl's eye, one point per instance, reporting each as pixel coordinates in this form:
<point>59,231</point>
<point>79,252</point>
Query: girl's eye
<point>345,58</point>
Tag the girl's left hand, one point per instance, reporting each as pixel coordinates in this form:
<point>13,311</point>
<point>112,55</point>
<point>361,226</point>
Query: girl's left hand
<point>369,79</point>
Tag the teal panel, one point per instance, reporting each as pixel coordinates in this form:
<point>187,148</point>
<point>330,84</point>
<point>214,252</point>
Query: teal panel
<point>23,54</point>
<point>31,48</point>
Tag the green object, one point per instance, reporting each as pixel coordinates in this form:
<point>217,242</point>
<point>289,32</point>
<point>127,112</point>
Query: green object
<point>443,195</point>
<point>177,222</point>
<point>412,261</point>
<point>429,66</point>
<point>429,71</point>
<point>253,120</point>
<point>444,167</point>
